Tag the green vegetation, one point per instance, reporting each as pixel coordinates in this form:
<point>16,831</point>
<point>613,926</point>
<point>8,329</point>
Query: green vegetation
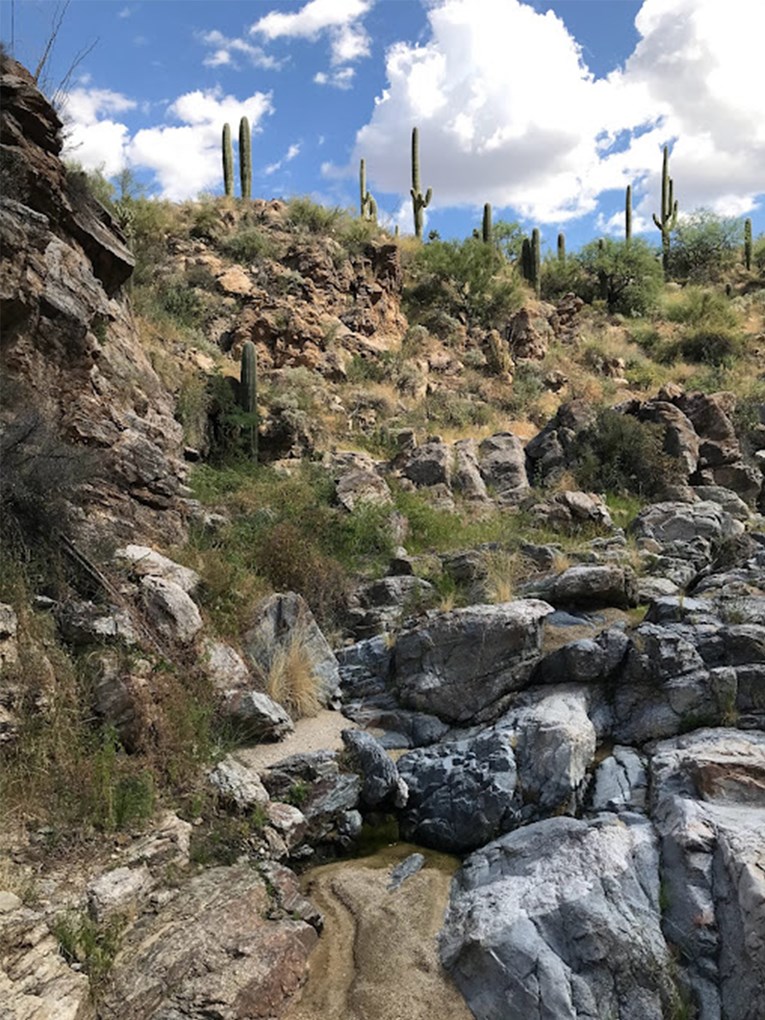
<point>89,945</point>
<point>623,455</point>
<point>245,158</point>
<point>367,204</point>
<point>628,276</point>
<point>666,221</point>
<point>228,161</point>
<point>705,247</point>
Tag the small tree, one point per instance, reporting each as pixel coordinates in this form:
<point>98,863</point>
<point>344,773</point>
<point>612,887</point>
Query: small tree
<point>704,246</point>
<point>629,276</point>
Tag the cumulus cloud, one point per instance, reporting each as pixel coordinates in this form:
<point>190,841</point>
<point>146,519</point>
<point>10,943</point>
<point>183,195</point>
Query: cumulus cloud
<point>93,137</point>
<point>499,124</point>
<point>339,20</point>
<point>224,52</point>
<point>186,156</point>
<point>342,78</point>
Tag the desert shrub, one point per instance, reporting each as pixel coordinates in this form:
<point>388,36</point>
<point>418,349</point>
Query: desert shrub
<point>621,454</point>
<point>291,679</point>
<point>356,234</point>
<point>628,277</point>
<point>304,214</point>
<point>89,945</point>
<point>710,346</point>
<point>249,245</point>
<point>758,253</point>
<point>180,301</point>
<point>700,306</point>
<point>527,386</point>
<point>705,246</point>
<point>468,280</point>
<point>569,277</point>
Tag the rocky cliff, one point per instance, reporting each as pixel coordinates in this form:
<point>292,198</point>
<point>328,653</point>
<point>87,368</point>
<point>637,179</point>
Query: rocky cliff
<point>69,346</point>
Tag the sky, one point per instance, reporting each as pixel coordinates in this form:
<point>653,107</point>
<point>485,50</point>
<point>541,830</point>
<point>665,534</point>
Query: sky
<point>548,109</point>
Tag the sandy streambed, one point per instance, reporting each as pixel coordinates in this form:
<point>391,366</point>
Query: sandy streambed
<point>377,958</point>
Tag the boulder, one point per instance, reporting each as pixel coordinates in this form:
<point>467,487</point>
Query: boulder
<point>708,805</point>
<point>237,785</point>
<point>458,663</point>
<point>528,335</point>
<point>621,782</point>
<point>9,651</point>
<point>257,714</point>
<point>680,438</point>
<point>173,612</point>
<point>588,584</point>
<point>561,920</point>
<point>461,793</point>
<point>572,509</point>
<point>215,943</point>
<point>466,475</point>
<point>121,891</point>
<point>145,562</point>
<point>429,464</point>
<point>381,781</point>
<point>503,466</point>
<point>277,624</point>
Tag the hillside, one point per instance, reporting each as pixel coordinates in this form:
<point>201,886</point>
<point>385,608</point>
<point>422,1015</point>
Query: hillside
<point>264,464</point>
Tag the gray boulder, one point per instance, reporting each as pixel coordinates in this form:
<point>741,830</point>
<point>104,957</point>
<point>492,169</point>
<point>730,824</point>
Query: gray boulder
<point>460,793</point>
<point>560,920</point>
<point>429,464</point>
<point>503,466</point>
<point>456,664</point>
<point>621,782</point>
<point>381,781</point>
<point>257,714</point>
<point>588,584</point>
<point>466,475</point>
<point>171,609</point>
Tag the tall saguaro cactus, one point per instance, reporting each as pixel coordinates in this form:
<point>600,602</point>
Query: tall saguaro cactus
<point>228,161</point>
<point>748,243</point>
<point>245,158</point>
<point>628,215</point>
<point>531,261</point>
<point>486,232</point>
<point>248,392</point>
<point>667,221</point>
<point>419,201</point>
<point>561,247</point>
<point>367,204</point>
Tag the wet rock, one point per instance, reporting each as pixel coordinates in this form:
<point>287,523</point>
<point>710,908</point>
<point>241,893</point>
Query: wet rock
<point>454,664</point>
<point>561,919</point>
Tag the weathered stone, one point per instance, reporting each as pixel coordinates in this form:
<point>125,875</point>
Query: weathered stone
<point>466,476</point>
<point>359,486</point>
<point>460,793</point>
<point>429,464</point>
<point>455,664</point>
<point>9,651</point>
<point>145,562</point>
<point>83,623</point>
<point>621,782</point>
<point>381,781</point>
<point>529,335</point>
<point>279,623</point>
<point>503,466</point>
<point>588,585</point>
<point>237,784</point>
<point>211,943</point>
<point>680,438</point>
<point>257,714</point>
<point>119,892</point>
<point>573,509</point>
<point>174,613</point>
<point>561,920</point>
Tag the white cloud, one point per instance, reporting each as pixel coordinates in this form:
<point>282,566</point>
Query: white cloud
<point>339,20</point>
<point>124,13</point>
<point>340,79</point>
<point>291,153</point>
<point>186,158</point>
<point>93,138</point>
<point>510,113</point>
<point>225,50</point>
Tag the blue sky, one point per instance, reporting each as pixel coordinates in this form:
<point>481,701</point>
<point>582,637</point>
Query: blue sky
<point>545,108</point>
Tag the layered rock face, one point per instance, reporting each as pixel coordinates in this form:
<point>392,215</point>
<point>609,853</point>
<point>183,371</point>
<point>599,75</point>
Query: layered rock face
<point>69,346</point>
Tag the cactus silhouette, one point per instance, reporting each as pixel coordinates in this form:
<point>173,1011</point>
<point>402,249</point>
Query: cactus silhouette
<point>419,201</point>
<point>667,220</point>
<point>228,161</point>
<point>628,215</point>
<point>367,204</point>
<point>561,247</point>
<point>245,158</point>
<point>486,225</point>
<point>748,243</point>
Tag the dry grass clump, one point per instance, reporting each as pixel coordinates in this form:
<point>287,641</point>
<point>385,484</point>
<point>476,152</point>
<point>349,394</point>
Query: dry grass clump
<point>291,679</point>
<point>504,570</point>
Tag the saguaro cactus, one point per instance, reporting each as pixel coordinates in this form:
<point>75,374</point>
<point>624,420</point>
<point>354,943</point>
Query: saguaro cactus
<point>486,225</point>
<point>628,215</point>
<point>536,261</point>
<point>667,220</point>
<point>245,158</point>
<point>367,204</point>
<point>228,161</point>
<point>248,393</point>
<point>561,247</point>
<point>748,243</point>
<point>419,201</point>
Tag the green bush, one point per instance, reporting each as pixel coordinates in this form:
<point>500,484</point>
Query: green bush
<point>618,453</point>
<point>705,246</point>
<point>304,214</point>
<point>710,346</point>
<point>468,280</point>
<point>700,306</point>
<point>569,277</point>
<point>628,277</point>
<point>758,253</point>
<point>249,245</point>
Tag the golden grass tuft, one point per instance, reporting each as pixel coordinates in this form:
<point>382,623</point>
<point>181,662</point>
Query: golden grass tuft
<point>504,570</point>
<point>291,679</point>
